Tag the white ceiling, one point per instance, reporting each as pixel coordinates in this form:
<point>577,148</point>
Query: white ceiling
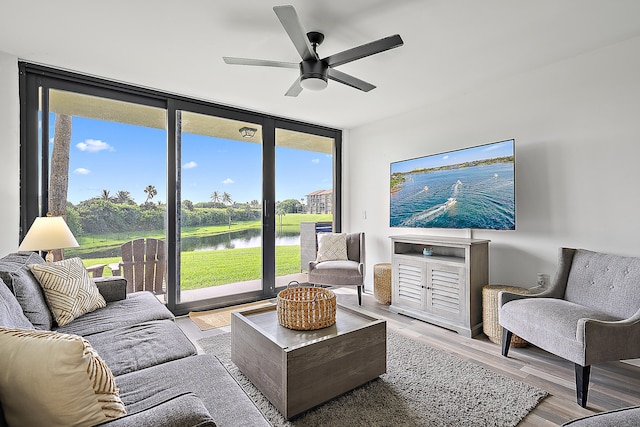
<point>451,46</point>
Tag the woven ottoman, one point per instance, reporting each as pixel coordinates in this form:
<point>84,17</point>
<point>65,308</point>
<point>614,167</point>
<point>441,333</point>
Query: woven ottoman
<point>382,282</point>
<point>490,325</point>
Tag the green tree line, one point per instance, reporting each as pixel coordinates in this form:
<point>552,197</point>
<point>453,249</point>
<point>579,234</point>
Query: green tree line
<point>107,216</point>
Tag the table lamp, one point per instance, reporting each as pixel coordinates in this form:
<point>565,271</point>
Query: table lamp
<point>48,233</point>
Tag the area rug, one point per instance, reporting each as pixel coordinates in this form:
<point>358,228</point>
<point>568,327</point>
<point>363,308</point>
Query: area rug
<point>212,319</point>
<point>423,386</point>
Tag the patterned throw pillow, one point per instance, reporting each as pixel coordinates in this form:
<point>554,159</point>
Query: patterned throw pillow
<point>54,379</point>
<point>69,290</point>
<point>332,247</point>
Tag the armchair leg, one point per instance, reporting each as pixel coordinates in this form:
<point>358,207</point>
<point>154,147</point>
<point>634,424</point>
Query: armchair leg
<point>582,384</point>
<point>506,341</point>
<point>359,295</point>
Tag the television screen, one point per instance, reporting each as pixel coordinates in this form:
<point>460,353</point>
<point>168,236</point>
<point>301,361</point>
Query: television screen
<point>469,188</point>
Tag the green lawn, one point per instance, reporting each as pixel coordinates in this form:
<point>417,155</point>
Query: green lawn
<point>201,269</point>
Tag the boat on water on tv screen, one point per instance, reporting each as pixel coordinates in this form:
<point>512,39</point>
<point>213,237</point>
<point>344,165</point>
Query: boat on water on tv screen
<point>468,188</point>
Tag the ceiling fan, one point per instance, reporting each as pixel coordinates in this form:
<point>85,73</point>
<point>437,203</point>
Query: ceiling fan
<point>315,72</point>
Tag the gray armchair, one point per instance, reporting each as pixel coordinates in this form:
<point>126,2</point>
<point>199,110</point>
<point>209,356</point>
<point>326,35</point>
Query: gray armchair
<point>342,273</point>
<point>590,314</point>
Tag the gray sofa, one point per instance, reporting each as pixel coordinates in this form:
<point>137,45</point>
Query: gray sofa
<point>161,378</point>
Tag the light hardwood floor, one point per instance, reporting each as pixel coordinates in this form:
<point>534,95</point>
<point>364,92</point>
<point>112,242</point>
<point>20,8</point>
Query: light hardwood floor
<point>613,385</point>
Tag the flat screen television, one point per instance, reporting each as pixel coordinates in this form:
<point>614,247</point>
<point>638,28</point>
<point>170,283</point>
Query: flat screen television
<point>469,188</point>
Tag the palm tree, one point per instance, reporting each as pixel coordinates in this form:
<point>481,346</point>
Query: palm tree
<point>254,203</point>
<point>229,214</point>
<point>151,192</point>
<point>215,197</point>
<point>227,200</point>
<point>123,197</point>
<point>59,170</point>
<point>105,195</point>
<point>280,212</point>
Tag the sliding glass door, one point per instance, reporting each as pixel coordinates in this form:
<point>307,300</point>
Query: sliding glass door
<point>220,193</point>
<point>106,175</point>
<point>215,195</point>
<point>305,199</point>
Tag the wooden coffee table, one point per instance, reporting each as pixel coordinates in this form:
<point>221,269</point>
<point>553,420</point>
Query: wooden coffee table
<point>297,370</point>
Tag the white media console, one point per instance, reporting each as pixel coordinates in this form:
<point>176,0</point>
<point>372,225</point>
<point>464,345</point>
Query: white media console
<point>444,288</point>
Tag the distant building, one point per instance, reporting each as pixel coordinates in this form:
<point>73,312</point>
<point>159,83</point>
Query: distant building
<point>320,202</point>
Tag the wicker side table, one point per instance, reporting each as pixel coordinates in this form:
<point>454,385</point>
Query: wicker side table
<point>490,325</point>
<point>382,282</point>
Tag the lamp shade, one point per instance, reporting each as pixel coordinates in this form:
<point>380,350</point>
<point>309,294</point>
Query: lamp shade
<point>48,233</point>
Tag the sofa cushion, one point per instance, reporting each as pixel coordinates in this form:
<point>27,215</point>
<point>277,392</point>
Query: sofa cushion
<point>69,290</point>
<point>337,273</point>
<point>139,346</point>
<point>17,276</point>
<point>11,315</point>
<point>204,376</point>
<point>332,247</point>
<point>138,307</point>
<point>183,410</point>
<point>550,323</point>
<point>55,380</point>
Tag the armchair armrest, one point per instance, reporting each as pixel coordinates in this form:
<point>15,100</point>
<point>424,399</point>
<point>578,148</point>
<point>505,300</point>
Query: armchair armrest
<point>112,288</point>
<point>614,340</point>
<point>96,270</point>
<point>312,265</point>
<point>506,296</point>
<point>115,268</point>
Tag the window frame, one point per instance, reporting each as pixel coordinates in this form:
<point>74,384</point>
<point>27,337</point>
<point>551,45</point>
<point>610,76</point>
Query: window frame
<point>34,159</point>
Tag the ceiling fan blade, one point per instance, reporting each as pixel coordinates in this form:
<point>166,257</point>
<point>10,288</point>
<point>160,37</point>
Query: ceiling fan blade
<point>349,80</point>
<point>364,50</point>
<point>259,62</point>
<point>298,35</point>
<point>295,88</point>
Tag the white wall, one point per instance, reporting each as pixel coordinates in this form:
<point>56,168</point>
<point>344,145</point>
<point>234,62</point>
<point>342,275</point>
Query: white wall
<point>577,130</point>
<point>10,154</point>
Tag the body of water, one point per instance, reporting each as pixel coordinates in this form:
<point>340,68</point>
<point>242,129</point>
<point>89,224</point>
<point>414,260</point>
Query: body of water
<point>481,197</point>
<point>239,239</point>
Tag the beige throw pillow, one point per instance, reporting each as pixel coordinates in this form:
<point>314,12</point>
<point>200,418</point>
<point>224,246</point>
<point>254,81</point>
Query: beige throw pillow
<point>69,290</point>
<point>53,379</point>
<point>332,247</point>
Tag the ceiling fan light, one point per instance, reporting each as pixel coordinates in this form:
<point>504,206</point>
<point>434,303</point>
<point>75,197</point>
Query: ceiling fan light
<point>313,83</point>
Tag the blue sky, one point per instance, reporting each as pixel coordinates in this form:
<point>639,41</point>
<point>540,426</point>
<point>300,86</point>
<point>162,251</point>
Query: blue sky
<point>116,156</point>
<point>482,152</point>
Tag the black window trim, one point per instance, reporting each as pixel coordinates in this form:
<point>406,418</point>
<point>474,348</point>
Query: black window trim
<point>32,157</point>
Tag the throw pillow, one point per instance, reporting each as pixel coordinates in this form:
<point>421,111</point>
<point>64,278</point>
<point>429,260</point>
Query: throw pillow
<point>11,315</point>
<point>20,281</point>
<point>332,247</point>
<point>54,379</point>
<point>69,290</point>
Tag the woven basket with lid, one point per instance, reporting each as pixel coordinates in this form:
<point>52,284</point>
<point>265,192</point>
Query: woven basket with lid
<point>306,308</point>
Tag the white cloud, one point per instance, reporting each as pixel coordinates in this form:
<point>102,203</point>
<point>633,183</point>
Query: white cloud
<point>316,161</point>
<point>190,165</point>
<point>445,157</point>
<point>93,146</point>
<point>227,181</point>
<point>82,171</point>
